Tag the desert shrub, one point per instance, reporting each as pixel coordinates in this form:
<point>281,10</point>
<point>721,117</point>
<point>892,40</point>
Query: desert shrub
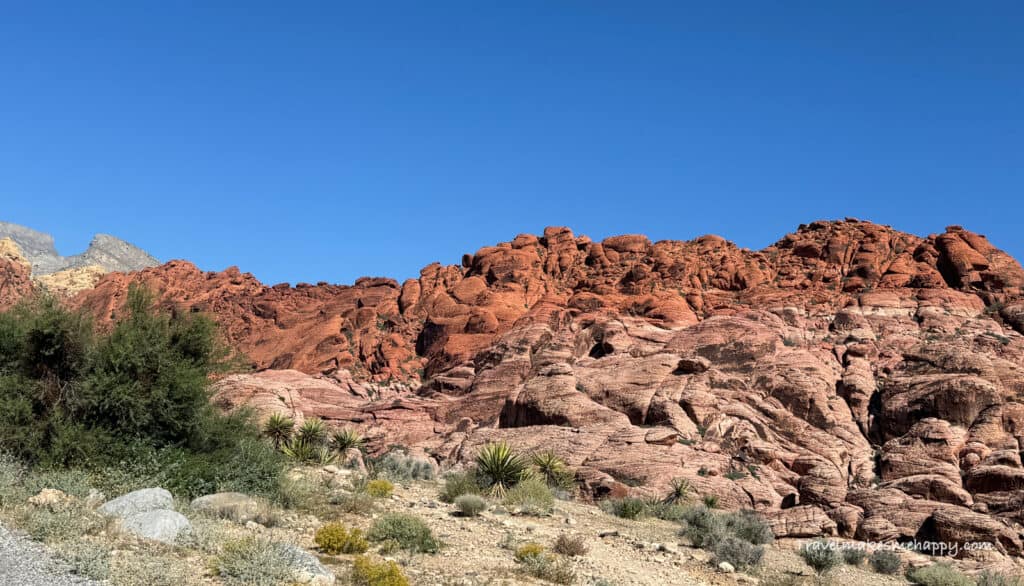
<point>528,550</point>
<point>679,491</point>
<point>312,432</point>
<point>659,509</point>
<point>702,526</point>
<point>854,556</point>
<point>87,559</point>
<point>346,439</point>
<point>549,568</point>
<point>553,470</point>
<point>12,489</point>
<point>409,531</point>
<point>740,553</point>
<point>335,538</point>
<point>499,468</point>
<point>989,578</point>
<point>748,526</point>
<point>627,507</point>
<point>885,561</point>
<point>278,428</point>
<point>400,467</point>
<point>356,503</point>
<point>68,522</point>
<point>144,568</point>
<point>821,555</point>
<point>253,561</point>
<point>470,505</point>
<point>366,572</point>
<point>380,488</point>
<point>710,501</point>
<point>570,545</point>
<point>938,575</point>
<point>531,496</point>
<point>457,484</point>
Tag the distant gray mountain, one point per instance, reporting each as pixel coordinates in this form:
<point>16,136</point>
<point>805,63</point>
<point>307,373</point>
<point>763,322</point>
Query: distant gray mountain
<point>113,254</point>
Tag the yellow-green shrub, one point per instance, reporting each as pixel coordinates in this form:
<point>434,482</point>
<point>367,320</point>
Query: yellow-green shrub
<point>366,572</point>
<point>335,538</point>
<point>529,550</point>
<point>380,488</point>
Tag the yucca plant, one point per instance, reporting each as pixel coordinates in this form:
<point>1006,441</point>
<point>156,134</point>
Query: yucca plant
<point>346,439</point>
<point>499,468</point>
<point>679,491</point>
<point>552,469</point>
<point>278,428</point>
<point>324,456</point>
<point>299,450</point>
<point>313,432</point>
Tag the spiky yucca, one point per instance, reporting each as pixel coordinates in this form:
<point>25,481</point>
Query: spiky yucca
<point>278,428</point>
<point>313,432</point>
<point>499,468</point>
<point>679,491</point>
<point>299,449</point>
<point>552,469</point>
<point>346,439</point>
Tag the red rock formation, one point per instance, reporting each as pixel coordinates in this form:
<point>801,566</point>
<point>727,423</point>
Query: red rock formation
<point>848,379</point>
<point>15,274</point>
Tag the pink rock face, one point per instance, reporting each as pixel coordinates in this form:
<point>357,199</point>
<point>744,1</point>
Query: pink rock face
<point>848,379</point>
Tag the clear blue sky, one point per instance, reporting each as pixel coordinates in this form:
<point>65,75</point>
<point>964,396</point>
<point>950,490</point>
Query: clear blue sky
<point>307,141</point>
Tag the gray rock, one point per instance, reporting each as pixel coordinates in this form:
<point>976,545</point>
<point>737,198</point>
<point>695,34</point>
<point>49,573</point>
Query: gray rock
<point>236,506</point>
<point>113,254</point>
<point>308,569</point>
<point>160,525</point>
<point>140,501</point>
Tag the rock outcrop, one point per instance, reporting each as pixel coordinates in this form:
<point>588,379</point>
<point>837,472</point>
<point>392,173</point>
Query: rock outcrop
<point>105,251</point>
<point>849,379</point>
<point>15,274</point>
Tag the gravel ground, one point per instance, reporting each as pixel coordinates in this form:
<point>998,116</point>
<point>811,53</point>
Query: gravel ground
<point>24,563</point>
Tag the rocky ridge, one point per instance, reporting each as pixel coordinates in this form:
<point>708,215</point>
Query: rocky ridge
<point>849,379</point>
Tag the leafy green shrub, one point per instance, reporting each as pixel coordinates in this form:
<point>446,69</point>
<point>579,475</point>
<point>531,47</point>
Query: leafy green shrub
<point>748,526</point>
<point>821,555</point>
<point>499,468</point>
<point>570,545</point>
<point>400,467</point>
<point>457,484</point>
<point>346,439</point>
<point>531,496</point>
<point>253,561</point>
<point>885,561</point>
<point>409,531</point>
<point>366,572</point>
<point>380,488</point>
<point>279,428</point>
<point>989,578</point>
<point>738,552</point>
<point>854,556</point>
<point>470,505</point>
<point>938,575</point>
<point>627,507</point>
<point>335,538</point>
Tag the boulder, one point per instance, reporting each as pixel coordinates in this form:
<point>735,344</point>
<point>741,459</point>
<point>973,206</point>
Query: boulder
<point>157,525</point>
<point>306,567</point>
<point>139,501</point>
<point>236,506</point>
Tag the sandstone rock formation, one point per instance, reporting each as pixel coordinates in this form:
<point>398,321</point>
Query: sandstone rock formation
<point>848,379</point>
<point>15,274</point>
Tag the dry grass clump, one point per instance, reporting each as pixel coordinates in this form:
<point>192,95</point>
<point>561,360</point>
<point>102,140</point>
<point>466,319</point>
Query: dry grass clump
<point>570,545</point>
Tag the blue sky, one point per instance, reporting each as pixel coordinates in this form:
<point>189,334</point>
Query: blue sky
<point>308,141</point>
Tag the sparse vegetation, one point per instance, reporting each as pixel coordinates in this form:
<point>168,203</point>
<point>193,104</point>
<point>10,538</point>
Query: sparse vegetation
<point>627,508</point>
<point>821,555</point>
<point>380,488</point>
<point>679,491</point>
<point>740,553</point>
<point>531,497</point>
<point>457,484</point>
<point>570,545</point>
<point>408,531</point>
<point>941,574</point>
<point>470,505</point>
<point>854,556</point>
<point>366,572</point>
<point>499,468</point>
<point>398,466</point>
<point>885,561</point>
<point>346,439</point>
<point>989,578</point>
<point>335,538</point>
<point>253,561</point>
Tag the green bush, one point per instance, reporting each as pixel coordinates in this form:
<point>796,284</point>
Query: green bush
<point>346,439</point>
<point>531,496</point>
<point>499,468</point>
<point>409,531</point>
<point>528,550</point>
<point>366,572</point>
<point>253,561</point>
<point>703,527</point>
<point>989,578</point>
<point>87,559</point>
<point>380,488</point>
<point>549,568</point>
<point>279,428</point>
<point>938,575</point>
<point>335,538</point>
<point>627,507</point>
<point>738,552</point>
<point>401,467</point>
<point>821,555</point>
<point>457,484</point>
<point>68,522</point>
<point>470,505</point>
<point>885,561</point>
<point>854,556</point>
<point>553,470</point>
<point>748,526</point>
<point>312,432</point>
